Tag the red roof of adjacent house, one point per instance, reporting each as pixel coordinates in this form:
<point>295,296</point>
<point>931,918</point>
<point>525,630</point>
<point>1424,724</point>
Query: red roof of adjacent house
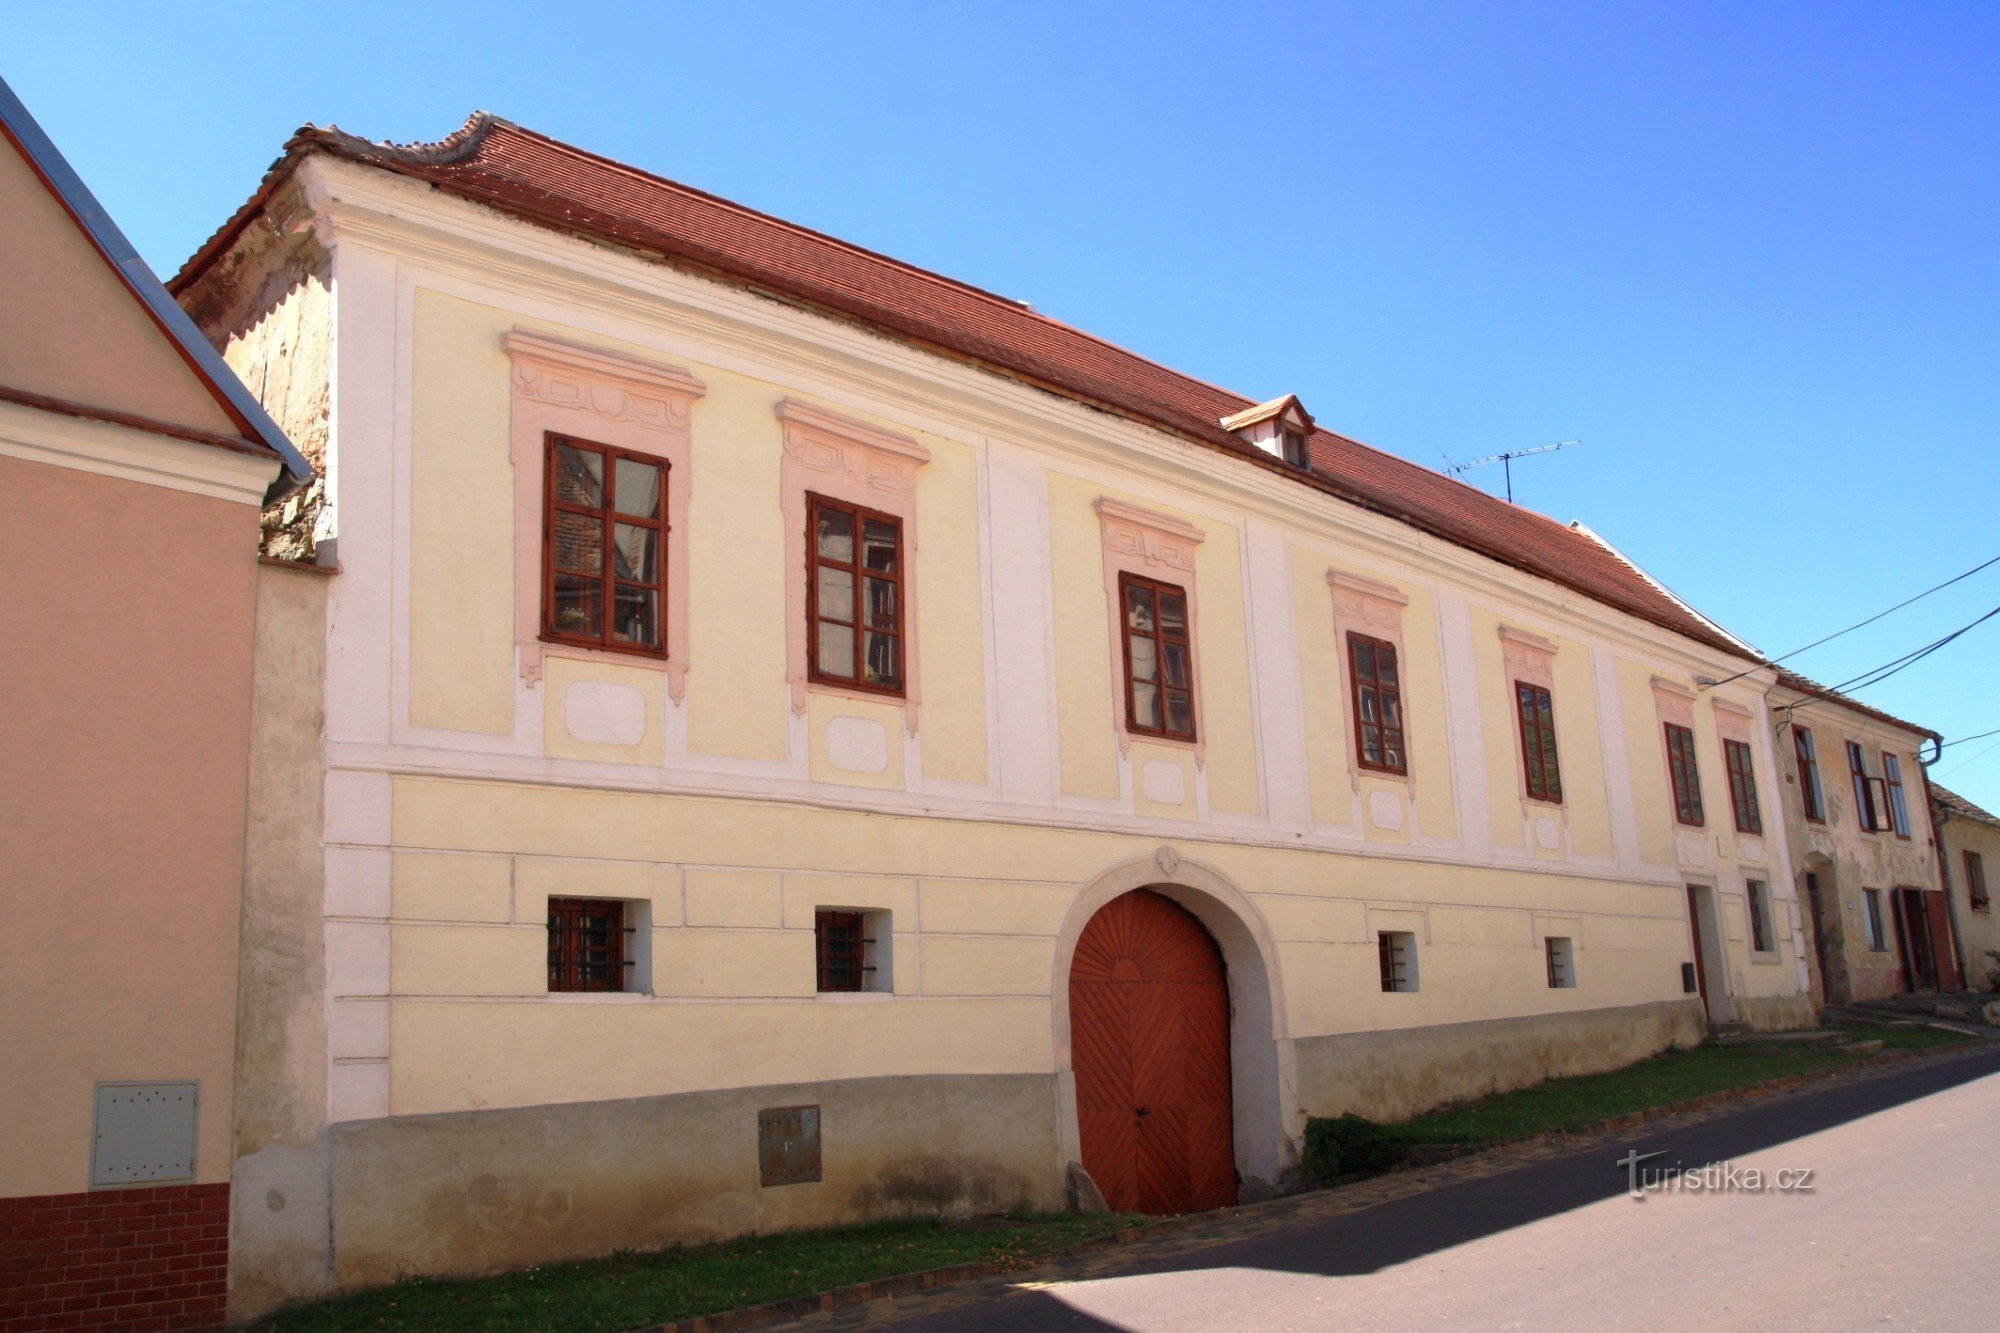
<point>532,177</point>
<point>1953,806</point>
<point>1806,685</point>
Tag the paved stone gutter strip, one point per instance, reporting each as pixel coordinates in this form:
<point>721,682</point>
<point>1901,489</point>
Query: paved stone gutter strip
<point>1447,1165</point>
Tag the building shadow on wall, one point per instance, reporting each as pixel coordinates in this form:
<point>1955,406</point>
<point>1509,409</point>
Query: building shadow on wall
<point>1403,1230</point>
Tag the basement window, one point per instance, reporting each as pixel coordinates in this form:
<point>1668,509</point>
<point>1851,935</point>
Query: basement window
<point>851,950</point>
<point>593,945</point>
<point>1398,955</point>
<point>1562,962</point>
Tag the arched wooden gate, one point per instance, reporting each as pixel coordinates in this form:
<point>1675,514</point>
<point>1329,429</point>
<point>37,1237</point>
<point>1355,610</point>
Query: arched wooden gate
<point>1149,1039</point>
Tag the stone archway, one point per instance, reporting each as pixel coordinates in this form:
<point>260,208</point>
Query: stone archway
<point>1267,1122</point>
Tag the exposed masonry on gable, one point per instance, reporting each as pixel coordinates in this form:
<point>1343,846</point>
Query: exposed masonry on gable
<point>268,307</point>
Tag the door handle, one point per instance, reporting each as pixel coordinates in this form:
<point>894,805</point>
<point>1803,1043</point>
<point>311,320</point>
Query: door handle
<point>1141,1112</point>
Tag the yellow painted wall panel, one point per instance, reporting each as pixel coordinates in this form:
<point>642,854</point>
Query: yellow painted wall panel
<point>461,519</point>
<point>1317,920</point>
<point>1585,794</point>
<point>1163,769</point>
<point>950,616</point>
<point>734,898</point>
<point>873,730</point>
<point>432,886</point>
<point>561,674</point>
<point>1085,687</point>
<point>1481,926</point>
<point>1228,722</point>
<point>538,879</point>
<point>733,963</point>
<point>987,965</point>
<point>1328,742</point>
<point>737,695</point>
<point>1424,712</point>
<point>464,814</point>
<point>965,906</point>
<point>468,960</point>
<point>807,894</point>
<point>1647,748</point>
<point>476,1055</point>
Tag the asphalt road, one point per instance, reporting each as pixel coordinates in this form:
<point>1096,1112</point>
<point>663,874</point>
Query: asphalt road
<point>1900,1228</point>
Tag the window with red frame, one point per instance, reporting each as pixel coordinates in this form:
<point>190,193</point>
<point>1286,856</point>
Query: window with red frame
<point>1538,741</point>
<point>1686,776</point>
<point>1892,785</point>
<point>854,596</point>
<point>1806,750</point>
<point>1742,787</point>
<point>604,547</point>
<point>1378,704</point>
<point>1867,812</point>
<point>587,945</point>
<point>1159,658</point>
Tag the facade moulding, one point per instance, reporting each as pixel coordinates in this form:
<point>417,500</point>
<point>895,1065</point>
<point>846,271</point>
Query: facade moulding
<point>842,458</point>
<point>633,288</point>
<point>566,388</point>
<point>403,761</point>
<point>1158,546</point>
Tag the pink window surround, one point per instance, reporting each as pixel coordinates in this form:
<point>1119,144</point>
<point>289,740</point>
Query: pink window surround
<point>844,459</point>
<point>1154,546</point>
<point>606,398</point>
<point>1733,723</point>
<point>1530,660</point>
<point>1674,703</point>
<point>1363,606</point>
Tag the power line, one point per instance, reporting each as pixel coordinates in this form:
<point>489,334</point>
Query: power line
<point>1897,607</point>
<point>1946,745</point>
<point>1871,620</point>
<point>1970,759</point>
<point>1879,674</point>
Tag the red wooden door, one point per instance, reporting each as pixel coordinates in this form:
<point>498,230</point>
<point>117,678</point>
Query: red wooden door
<point>1149,1041</point>
<point>1700,964</point>
<point>1914,926</point>
<point>1944,954</point>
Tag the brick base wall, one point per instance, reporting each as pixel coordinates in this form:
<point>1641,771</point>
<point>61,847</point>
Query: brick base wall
<point>115,1259</point>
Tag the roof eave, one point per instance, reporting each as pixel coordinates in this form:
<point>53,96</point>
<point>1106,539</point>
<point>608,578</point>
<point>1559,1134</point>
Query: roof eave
<point>235,399</point>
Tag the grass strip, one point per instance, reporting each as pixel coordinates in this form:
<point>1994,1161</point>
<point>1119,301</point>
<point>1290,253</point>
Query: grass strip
<point>630,1290</point>
<point>1563,1104</point>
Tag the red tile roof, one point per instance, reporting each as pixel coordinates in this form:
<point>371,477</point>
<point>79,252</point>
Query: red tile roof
<point>1953,806</point>
<point>529,176</point>
<point>1791,679</point>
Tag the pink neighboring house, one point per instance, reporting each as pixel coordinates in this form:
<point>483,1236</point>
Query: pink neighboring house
<point>133,469</point>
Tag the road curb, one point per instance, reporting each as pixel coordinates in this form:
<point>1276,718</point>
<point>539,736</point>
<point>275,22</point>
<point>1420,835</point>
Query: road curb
<point>907,1284</point>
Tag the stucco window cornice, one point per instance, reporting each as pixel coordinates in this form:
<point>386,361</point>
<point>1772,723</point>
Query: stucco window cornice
<point>843,458</point>
<point>1151,545</point>
<point>608,398</point>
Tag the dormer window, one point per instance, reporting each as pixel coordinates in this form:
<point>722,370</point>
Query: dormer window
<point>1281,428</point>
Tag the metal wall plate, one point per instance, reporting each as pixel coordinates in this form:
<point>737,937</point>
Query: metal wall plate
<point>788,1145</point>
<point>143,1132</point>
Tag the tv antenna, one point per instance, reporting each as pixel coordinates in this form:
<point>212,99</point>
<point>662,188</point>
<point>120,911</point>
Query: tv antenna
<point>1508,460</point>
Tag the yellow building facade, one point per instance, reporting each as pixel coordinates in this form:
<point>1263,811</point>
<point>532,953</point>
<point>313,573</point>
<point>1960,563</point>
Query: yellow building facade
<point>427,1091</point>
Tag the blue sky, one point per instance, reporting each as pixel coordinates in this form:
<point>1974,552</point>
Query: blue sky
<point>1749,254</point>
